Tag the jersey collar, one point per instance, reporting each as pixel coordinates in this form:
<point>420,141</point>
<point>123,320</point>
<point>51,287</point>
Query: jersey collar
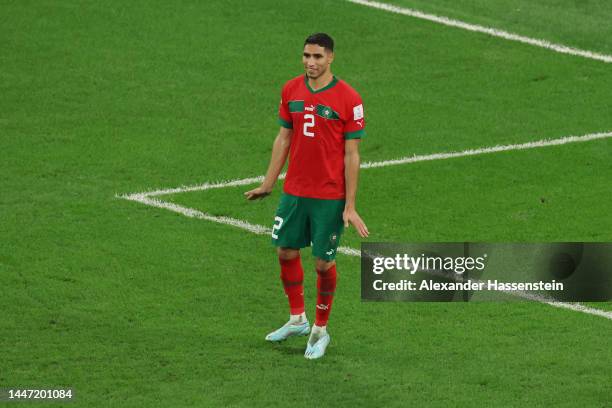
<point>333,82</point>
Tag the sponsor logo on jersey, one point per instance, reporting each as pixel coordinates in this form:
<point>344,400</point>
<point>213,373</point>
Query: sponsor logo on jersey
<point>358,112</point>
<point>310,108</point>
<point>360,123</point>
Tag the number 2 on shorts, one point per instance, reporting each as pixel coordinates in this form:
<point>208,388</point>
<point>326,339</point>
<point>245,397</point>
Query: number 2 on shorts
<point>278,221</point>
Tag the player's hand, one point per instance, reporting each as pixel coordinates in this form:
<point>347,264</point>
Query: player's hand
<point>350,216</point>
<point>259,192</point>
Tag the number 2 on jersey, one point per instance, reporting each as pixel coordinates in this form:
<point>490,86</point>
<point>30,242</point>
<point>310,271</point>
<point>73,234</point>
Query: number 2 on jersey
<point>308,123</point>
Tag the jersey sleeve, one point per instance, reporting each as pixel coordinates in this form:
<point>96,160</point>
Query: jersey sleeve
<point>284,116</point>
<point>354,124</point>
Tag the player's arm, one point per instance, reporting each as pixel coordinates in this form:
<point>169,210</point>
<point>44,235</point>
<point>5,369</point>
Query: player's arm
<point>351,175</point>
<point>280,151</point>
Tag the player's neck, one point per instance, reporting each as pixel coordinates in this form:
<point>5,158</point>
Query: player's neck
<point>320,82</point>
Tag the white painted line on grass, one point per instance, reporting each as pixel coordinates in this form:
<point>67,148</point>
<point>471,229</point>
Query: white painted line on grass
<point>205,186</point>
<point>394,162</point>
<point>563,49</point>
<point>193,213</point>
<point>492,149</point>
<point>577,307</point>
<point>349,251</point>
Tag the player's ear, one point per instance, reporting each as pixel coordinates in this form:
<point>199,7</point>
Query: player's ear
<point>331,57</point>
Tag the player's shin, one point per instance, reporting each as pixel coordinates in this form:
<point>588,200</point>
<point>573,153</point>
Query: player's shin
<point>326,286</point>
<point>292,276</point>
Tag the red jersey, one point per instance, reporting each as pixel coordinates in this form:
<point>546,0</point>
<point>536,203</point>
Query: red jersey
<point>321,121</point>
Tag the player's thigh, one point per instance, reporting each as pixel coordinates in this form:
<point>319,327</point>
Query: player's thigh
<point>327,227</point>
<point>290,228</point>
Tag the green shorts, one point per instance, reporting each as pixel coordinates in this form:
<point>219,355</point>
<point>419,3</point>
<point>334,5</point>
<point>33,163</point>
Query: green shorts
<point>301,222</point>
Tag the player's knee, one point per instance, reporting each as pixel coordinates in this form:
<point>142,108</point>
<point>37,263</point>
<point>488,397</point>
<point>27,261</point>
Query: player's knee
<point>286,254</point>
<point>323,265</point>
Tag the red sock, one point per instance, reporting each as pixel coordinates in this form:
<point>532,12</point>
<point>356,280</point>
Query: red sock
<point>292,276</point>
<point>326,285</point>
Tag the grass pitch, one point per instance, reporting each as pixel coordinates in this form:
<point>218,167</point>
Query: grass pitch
<point>135,306</point>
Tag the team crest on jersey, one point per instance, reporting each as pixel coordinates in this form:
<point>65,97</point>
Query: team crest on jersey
<point>358,112</point>
<point>327,112</point>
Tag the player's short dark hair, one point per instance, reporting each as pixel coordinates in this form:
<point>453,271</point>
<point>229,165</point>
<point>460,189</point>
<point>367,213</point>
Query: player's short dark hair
<point>321,39</point>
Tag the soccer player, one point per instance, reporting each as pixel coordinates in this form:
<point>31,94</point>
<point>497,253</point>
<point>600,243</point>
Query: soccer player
<point>322,122</point>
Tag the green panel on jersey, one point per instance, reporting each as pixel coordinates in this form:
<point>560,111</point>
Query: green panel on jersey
<point>354,135</point>
<point>327,112</point>
<point>284,123</point>
<point>296,106</point>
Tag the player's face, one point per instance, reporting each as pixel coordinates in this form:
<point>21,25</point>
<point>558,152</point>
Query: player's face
<point>316,60</point>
